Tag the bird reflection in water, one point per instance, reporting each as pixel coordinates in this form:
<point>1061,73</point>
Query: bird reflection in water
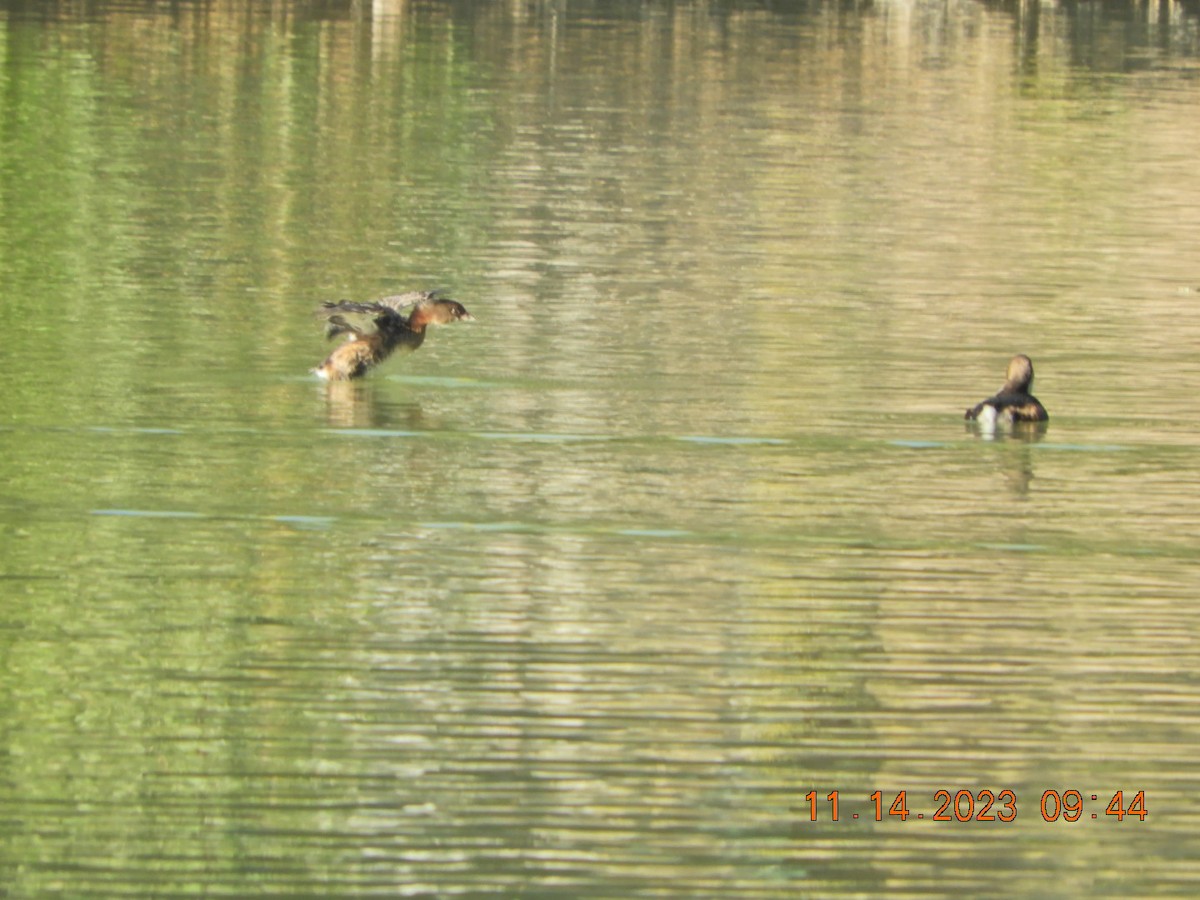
<point>355,405</point>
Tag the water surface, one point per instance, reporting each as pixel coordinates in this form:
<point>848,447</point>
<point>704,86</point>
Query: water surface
<point>586,597</point>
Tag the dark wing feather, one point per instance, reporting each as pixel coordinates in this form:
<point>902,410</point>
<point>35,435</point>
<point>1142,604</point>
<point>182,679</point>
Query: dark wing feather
<point>1021,407</point>
<point>410,299</point>
<point>358,319</point>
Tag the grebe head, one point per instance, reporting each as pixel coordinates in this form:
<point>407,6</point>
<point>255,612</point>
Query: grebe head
<point>442,312</point>
<point>437,312</point>
<point>1019,377</point>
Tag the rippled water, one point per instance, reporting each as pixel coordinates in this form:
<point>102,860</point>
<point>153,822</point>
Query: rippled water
<point>606,592</point>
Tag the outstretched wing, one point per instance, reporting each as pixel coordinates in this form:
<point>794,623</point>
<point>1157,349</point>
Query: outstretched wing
<point>357,319</point>
<point>406,301</point>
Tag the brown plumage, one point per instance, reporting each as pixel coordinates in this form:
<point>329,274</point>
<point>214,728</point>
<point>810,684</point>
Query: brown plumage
<point>376,330</point>
<point>1013,402</point>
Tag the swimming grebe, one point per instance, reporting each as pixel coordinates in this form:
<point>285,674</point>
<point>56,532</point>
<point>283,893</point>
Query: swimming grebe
<point>1013,402</point>
<point>376,330</point>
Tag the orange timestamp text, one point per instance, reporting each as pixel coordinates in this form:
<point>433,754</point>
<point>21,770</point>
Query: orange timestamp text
<point>984,805</point>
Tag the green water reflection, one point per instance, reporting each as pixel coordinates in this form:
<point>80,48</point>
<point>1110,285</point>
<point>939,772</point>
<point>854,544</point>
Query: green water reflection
<point>584,598</point>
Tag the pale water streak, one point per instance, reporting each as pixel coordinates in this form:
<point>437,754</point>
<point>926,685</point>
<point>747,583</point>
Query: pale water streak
<point>586,597</point>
